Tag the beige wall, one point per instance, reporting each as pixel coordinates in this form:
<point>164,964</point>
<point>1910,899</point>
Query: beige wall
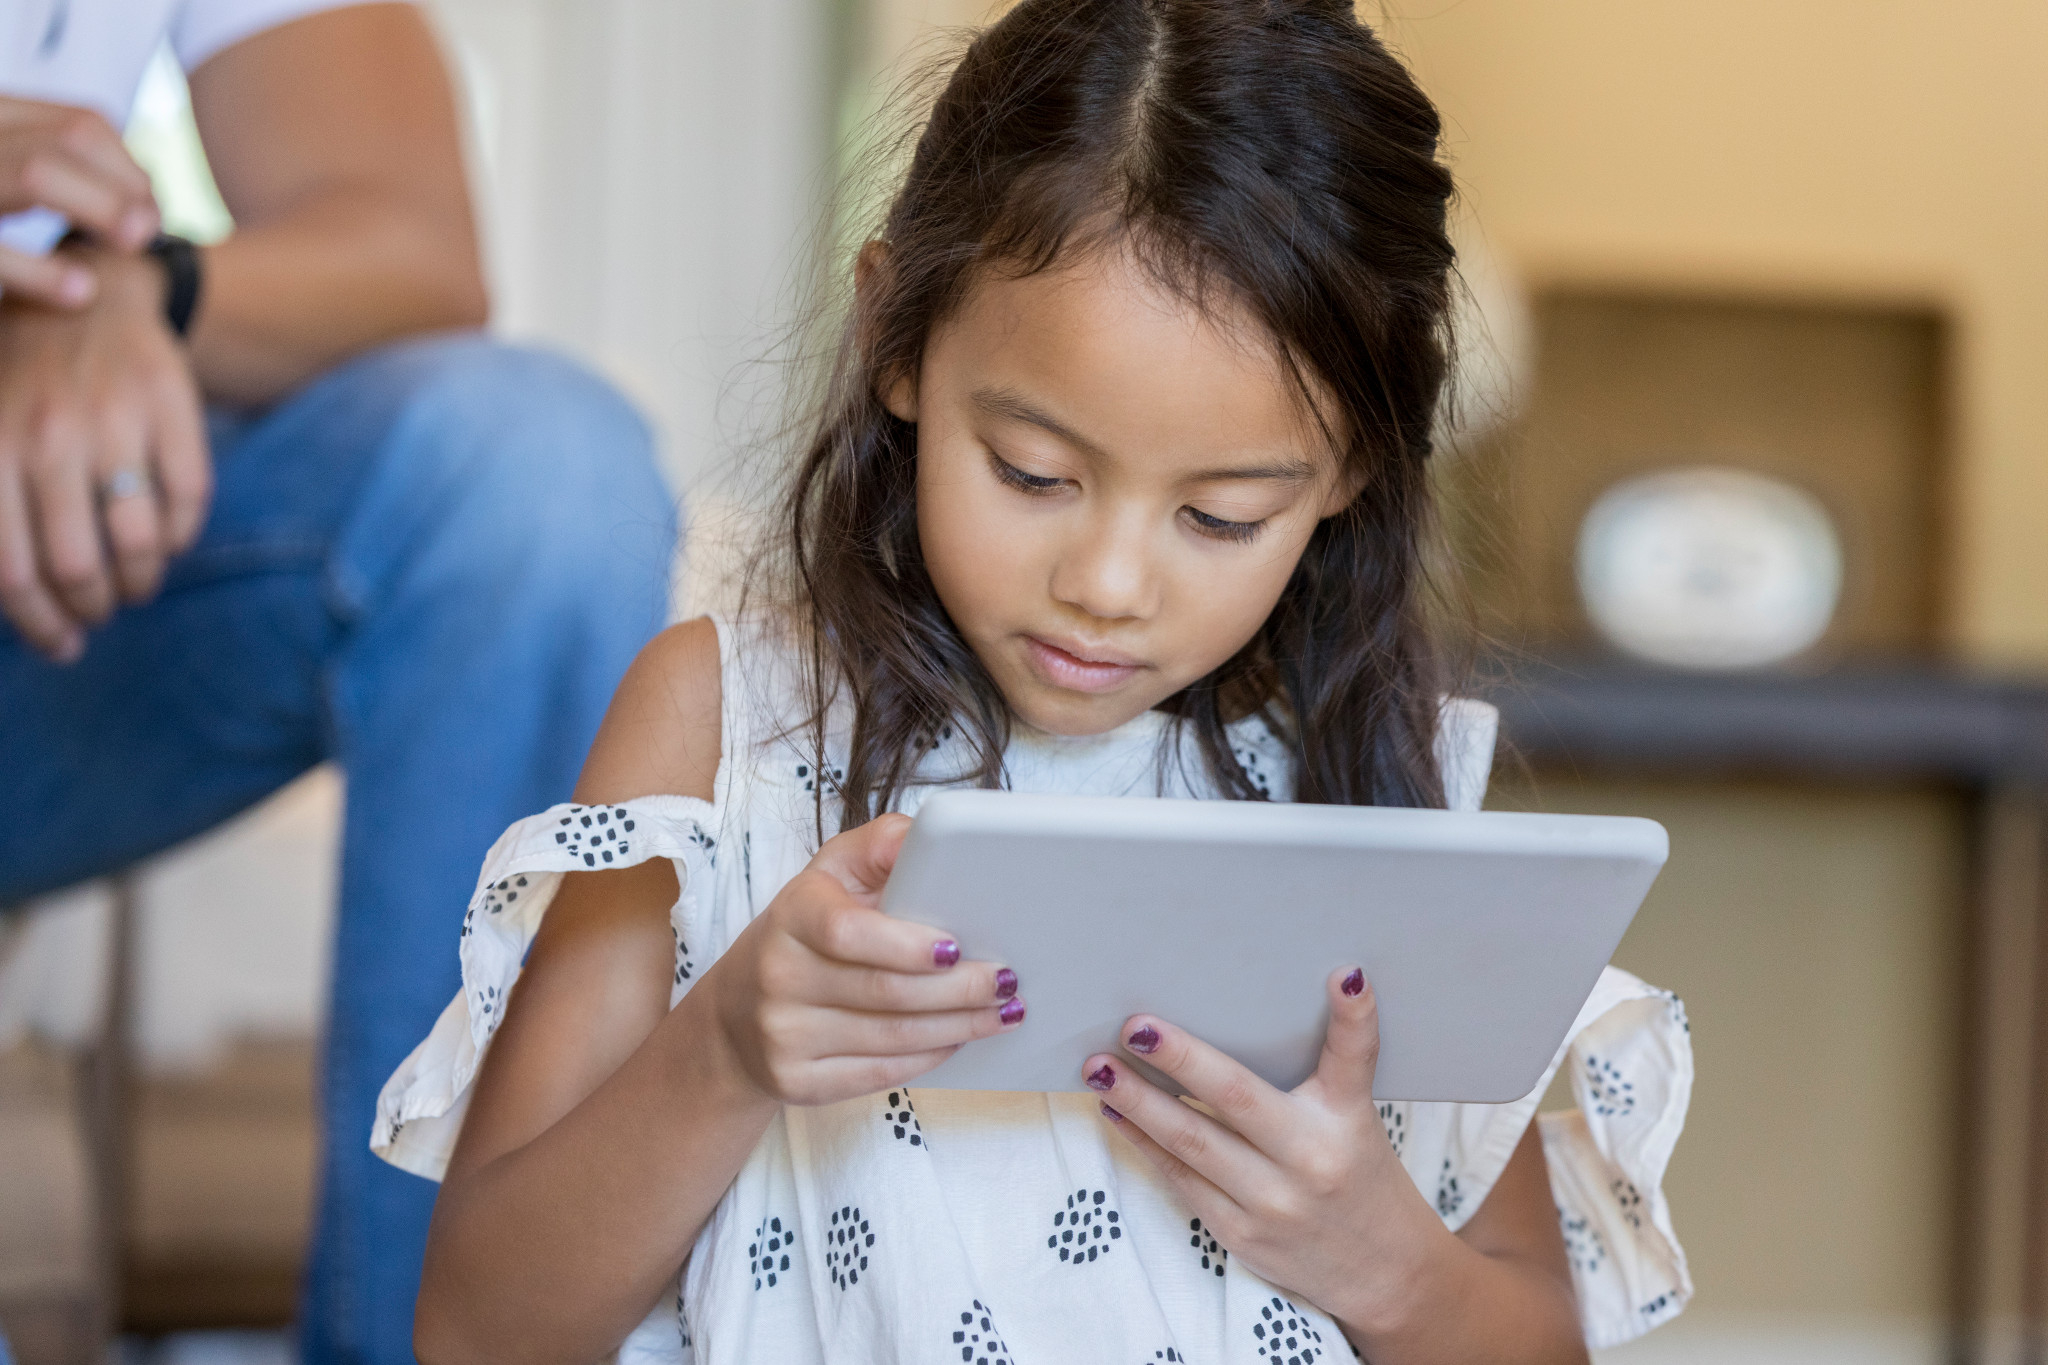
<point>1833,148</point>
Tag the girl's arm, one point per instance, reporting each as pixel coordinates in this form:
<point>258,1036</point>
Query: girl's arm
<point>604,1128</point>
<point>1304,1188</point>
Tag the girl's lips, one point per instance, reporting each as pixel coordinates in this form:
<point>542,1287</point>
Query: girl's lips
<point>1061,669</point>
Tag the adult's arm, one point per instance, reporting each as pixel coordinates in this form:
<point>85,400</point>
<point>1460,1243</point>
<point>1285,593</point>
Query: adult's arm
<point>335,142</point>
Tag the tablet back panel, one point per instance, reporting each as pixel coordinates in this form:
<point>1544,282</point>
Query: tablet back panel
<point>1483,932</point>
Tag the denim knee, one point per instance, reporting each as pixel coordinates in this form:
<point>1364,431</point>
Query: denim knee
<point>522,466</point>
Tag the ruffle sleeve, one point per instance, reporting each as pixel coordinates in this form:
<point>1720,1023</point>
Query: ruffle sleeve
<point>1629,1060</point>
<point>1630,1066</point>
<point>420,1110</point>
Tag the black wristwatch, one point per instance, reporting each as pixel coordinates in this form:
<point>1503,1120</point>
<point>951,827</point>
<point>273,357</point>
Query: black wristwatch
<point>181,288</point>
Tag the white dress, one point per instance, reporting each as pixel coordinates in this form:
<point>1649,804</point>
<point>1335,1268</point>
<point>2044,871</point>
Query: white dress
<point>936,1226</point>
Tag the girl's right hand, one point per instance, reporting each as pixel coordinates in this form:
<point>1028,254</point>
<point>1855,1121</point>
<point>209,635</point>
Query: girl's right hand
<point>825,998</point>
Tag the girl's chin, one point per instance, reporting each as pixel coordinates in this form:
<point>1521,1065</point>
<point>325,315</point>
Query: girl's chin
<point>1072,715</point>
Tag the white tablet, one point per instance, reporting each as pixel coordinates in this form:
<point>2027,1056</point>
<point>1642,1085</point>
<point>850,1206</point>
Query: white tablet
<point>1483,932</point>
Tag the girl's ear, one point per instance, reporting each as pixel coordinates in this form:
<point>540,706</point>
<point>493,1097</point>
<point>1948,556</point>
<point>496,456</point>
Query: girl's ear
<point>898,392</point>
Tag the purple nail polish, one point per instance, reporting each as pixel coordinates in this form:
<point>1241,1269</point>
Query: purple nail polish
<point>1012,1012</point>
<point>1145,1039</point>
<point>1354,984</point>
<point>1111,1114</point>
<point>1006,983</point>
<point>1102,1078</point>
<point>945,953</point>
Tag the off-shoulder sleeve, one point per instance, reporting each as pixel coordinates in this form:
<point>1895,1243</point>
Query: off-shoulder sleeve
<point>419,1112</point>
<point>1630,1065</point>
<point>1629,1060</point>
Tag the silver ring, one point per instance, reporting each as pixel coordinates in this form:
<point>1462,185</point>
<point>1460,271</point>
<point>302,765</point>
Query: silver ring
<point>130,482</point>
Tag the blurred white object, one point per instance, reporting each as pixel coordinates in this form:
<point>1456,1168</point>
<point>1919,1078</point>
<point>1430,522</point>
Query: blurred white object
<point>1710,568</point>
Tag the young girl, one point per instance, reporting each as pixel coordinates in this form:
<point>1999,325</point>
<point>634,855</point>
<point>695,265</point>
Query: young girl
<point>1120,491</point>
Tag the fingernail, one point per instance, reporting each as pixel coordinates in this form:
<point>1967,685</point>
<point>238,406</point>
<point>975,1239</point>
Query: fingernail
<point>1006,983</point>
<point>1102,1078</point>
<point>945,953</point>
<point>1111,1114</point>
<point>1354,984</point>
<point>1145,1039</point>
<point>1012,1012</point>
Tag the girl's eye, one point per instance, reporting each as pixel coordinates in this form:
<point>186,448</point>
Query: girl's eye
<point>1238,531</point>
<point>1018,479</point>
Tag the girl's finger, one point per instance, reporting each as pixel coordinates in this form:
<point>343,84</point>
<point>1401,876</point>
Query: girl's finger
<point>1200,1195</point>
<point>861,858</point>
<point>866,1075</point>
<point>1351,1045</point>
<point>846,1033</point>
<point>1240,1098</point>
<point>836,926</point>
<point>971,985</point>
<point>1192,1138</point>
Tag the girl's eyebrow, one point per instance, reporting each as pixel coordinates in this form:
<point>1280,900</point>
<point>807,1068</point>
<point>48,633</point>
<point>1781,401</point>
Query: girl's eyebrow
<point>1008,403</point>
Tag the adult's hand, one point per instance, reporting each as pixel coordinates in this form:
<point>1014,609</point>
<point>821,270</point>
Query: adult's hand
<point>70,161</point>
<point>104,470</point>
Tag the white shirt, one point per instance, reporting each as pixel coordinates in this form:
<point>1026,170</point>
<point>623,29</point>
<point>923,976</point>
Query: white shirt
<point>92,53</point>
<point>929,1227</point>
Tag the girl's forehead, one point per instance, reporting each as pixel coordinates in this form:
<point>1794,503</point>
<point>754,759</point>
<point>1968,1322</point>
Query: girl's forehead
<point>1122,356</point>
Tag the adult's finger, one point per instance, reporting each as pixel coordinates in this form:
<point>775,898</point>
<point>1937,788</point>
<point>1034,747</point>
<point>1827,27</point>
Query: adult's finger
<point>120,214</point>
<point>184,465</point>
<point>67,527</point>
<point>135,526</point>
<point>23,595</point>
<point>53,281</point>
<point>1351,1045</point>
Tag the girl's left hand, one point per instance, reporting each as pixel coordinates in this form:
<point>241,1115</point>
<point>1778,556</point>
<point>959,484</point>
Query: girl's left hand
<point>1302,1186</point>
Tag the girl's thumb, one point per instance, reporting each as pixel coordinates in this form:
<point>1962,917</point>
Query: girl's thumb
<point>1351,1045</point>
<point>863,857</point>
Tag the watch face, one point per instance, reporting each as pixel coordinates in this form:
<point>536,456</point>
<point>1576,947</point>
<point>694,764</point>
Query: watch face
<point>1709,568</point>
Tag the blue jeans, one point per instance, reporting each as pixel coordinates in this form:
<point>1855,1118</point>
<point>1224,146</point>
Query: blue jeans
<point>433,565</point>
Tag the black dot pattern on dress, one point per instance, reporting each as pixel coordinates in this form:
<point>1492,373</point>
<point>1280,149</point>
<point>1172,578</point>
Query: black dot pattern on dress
<point>498,897</point>
<point>686,966</point>
<point>978,1340</point>
<point>596,834</point>
<point>1254,765</point>
<point>1613,1094</point>
<point>1677,1009</point>
<point>848,1240</point>
<point>1396,1121</point>
<point>901,1118</point>
<point>1206,1246</point>
<point>1169,1354</point>
<point>832,773</point>
<point>1285,1335</point>
<point>1086,1229</point>
<point>1658,1308</point>
<point>1630,1199</point>
<point>1583,1245</point>
<point>1449,1198</point>
<point>768,1253</point>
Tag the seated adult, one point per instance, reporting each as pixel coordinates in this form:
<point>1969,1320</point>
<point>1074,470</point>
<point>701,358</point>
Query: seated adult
<point>273,502</point>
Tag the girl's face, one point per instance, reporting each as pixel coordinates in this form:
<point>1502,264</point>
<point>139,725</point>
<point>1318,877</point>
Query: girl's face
<point>1112,488</point>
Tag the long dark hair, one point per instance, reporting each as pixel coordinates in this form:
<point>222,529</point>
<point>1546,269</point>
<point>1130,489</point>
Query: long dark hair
<point>1270,152</point>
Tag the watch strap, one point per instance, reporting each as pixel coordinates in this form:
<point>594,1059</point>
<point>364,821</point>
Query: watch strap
<point>180,260</point>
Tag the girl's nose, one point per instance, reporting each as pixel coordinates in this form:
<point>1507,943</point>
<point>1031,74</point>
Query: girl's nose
<point>1107,572</point>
